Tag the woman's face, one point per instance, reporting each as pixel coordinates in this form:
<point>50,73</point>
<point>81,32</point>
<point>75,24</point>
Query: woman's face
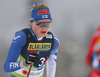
<point>40,31</point>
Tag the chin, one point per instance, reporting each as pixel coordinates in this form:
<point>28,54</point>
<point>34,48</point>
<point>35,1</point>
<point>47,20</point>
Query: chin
<point>43,35</point>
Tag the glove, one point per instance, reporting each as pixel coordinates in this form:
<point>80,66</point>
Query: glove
<point>32,57</point>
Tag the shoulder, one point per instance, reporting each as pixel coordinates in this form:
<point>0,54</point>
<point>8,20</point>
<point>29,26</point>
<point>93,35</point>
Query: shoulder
<point>22,32</point>
<point>56,41</point>
<point>50,34</point>
<point>19,39</point>
<point>19,35</point>
<point>56,38</point>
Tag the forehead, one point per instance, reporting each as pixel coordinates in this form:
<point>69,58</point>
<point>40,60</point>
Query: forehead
<point>45,20</point>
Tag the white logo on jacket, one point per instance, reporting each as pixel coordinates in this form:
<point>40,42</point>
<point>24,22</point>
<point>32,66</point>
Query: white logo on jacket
<point>16,37</point>
<point>14,65</point>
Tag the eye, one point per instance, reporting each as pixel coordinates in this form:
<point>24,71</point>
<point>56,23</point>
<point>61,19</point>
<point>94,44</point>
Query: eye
<point>38,23</point>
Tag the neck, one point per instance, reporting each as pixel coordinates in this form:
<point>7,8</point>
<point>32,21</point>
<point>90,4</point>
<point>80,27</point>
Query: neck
<point>40,38</point>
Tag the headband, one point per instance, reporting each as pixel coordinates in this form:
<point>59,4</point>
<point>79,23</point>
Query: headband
<point>40,14</point>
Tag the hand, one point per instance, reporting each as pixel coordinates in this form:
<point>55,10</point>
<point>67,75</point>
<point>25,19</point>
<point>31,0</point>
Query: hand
<point>32,57</point>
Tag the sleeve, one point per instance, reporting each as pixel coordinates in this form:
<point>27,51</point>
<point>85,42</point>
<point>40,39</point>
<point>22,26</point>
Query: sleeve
<point>92,43</point>
<point>17,43</point>
<point>90,52</point>
<point>51,63</point>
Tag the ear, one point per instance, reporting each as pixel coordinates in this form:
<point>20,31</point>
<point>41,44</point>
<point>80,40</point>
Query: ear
<point>31,23</point>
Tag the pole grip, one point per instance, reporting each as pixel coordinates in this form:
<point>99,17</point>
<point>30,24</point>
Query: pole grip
<point>31,65</point>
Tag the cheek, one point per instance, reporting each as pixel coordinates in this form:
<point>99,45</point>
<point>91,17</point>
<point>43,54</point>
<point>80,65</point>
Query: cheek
<point>37,29</point>
<point>48,28</point>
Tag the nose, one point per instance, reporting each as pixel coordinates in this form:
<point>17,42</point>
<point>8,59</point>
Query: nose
<point>44,27</point>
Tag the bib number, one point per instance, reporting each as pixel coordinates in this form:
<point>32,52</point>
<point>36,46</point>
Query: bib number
<point>42,61</point>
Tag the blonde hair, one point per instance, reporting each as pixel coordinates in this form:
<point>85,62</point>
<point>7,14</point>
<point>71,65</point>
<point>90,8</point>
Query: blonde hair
<point>39,6</point>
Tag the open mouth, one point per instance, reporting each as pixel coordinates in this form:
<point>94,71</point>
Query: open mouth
<point>43,32</point>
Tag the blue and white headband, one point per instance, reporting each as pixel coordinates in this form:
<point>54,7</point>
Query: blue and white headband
<point>40,14</point>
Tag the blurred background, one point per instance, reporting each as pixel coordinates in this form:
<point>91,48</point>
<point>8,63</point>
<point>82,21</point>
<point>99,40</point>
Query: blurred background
<point>74,22</point>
